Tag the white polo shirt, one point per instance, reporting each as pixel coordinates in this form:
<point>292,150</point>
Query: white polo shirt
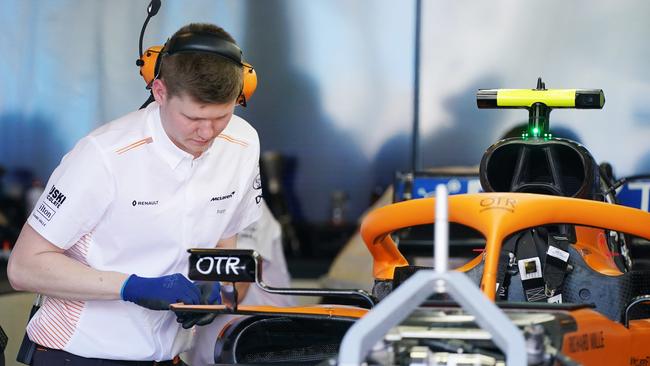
<point>126,199</point>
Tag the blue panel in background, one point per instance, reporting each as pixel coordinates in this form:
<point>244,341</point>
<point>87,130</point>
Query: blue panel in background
<point>421,186</point>
<point>635,194</point>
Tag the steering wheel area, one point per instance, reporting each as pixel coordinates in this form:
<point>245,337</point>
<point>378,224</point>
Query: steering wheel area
<point>496,216</point>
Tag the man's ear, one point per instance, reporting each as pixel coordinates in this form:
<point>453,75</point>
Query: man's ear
<point>159,90</point>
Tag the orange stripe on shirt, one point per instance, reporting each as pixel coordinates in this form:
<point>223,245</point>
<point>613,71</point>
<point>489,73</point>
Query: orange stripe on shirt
<point>58,319</point>
<point>144,141</point>
<point>79,251</point>
<point>49,333</point>
<point>45,337</point>
<point>40,337</point>
<point>233,140</point>
<point>54,325</point>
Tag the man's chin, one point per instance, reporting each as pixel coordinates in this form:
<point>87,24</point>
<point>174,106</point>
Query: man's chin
<point>198,149</point>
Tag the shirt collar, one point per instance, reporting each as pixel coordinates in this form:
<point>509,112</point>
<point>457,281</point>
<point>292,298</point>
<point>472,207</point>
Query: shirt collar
<point>169,152</point>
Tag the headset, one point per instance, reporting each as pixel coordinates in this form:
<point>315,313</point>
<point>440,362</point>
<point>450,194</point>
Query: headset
<point>193,42</point>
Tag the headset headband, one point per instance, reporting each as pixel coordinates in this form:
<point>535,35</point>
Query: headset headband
<point>192,42</point>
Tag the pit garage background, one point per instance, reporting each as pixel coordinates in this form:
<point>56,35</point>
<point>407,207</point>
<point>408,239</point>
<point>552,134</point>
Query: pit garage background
<point>349,91</point>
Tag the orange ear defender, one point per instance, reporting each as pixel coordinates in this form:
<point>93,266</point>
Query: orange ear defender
<point>148,63</point>
<point>190,42</point>
<point>249,86</point>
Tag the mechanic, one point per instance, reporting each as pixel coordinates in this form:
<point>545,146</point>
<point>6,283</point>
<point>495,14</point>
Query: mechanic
<point>107,241</point>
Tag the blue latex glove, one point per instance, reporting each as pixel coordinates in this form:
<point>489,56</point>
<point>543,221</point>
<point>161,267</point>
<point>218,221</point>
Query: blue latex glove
<point>159,292</point>
<point>210,295</point>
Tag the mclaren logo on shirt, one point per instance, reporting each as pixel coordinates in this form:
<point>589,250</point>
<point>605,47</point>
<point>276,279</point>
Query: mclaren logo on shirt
<point>143,203</point>
<point>55,197</point>
<point>224,197</point>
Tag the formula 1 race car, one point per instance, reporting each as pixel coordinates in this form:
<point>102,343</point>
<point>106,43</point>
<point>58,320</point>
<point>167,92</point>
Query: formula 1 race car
<point>554,284</point>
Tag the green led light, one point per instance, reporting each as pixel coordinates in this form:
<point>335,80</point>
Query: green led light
<point>535,131</point>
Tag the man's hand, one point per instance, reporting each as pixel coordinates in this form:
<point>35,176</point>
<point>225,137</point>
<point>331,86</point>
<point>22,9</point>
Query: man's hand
<point>159,292</point>
<point>210,295</point>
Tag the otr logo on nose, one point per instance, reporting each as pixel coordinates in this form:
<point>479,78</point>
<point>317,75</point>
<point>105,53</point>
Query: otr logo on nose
<point>501,203</point>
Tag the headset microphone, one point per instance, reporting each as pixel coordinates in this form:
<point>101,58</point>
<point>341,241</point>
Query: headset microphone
<point>152,10</point>
<point>153,7</point>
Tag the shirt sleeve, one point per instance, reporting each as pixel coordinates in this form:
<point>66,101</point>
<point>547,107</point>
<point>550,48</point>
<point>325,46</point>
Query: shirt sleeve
<point>76,197</point>
<point>249,209</point>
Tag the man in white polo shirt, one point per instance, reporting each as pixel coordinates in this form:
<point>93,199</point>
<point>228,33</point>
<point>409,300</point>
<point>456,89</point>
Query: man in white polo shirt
<point>107,241</point>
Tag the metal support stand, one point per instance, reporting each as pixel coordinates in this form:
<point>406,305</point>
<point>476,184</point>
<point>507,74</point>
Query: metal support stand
<point>370,329</point>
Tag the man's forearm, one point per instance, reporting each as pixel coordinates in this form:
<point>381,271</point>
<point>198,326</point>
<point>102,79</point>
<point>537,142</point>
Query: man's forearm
<point>36,266</point>
<point>76,282</point>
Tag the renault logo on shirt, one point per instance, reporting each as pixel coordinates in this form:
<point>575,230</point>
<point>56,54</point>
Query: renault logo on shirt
<point>143,203</point>
<point>224,197</point>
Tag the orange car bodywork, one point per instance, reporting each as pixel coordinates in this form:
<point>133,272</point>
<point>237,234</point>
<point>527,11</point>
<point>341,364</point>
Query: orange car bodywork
<point>600,341</point>
<point>497,215</point>
<point>597,339</point>
<point>329,311</point>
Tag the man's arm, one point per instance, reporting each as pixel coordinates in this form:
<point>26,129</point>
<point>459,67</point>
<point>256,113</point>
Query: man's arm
<point>242,287</point>
<point>36,265</point>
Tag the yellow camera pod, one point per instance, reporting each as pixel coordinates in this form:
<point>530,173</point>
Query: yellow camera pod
<point>551,98</point>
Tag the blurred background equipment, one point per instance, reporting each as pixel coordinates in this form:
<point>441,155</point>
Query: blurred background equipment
<point>277,172</point>
<point>17,189</point>
<point>3,345</point>
<point>347,122</point>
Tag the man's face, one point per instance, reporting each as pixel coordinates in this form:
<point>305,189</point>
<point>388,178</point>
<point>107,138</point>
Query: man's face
<point>192,126</point>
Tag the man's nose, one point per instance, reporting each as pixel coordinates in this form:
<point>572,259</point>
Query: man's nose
<point>206,130</point>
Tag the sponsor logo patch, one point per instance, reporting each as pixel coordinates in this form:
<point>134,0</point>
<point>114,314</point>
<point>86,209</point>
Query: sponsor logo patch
<point>257,185</point>
<point>257,182</point>
<point>46,211</point>
<point>143,203</point>
<point>224,197</point>
<point>498,203</point>
<point>56,197</point>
